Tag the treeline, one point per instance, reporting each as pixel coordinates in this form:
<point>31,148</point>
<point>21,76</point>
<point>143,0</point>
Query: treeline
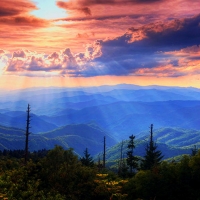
<point>57,176</point>
<point>61,175</point>
<point>167,181</point>
<point>19,153</point>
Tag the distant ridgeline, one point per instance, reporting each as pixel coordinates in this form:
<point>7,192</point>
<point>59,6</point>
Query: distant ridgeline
<point>172,142</point>
<point>79,118</point>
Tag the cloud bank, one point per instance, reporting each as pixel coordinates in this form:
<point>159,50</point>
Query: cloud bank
<point>16,13</point>
<point>24,62</point>
<point>84,5</point>
<point>157,49</point>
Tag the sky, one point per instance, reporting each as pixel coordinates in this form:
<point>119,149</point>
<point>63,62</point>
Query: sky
<point>70,43</point>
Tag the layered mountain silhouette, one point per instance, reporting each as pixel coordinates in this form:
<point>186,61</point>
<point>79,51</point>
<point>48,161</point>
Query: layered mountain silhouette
<point>81,117</point>
<point>79,137</point>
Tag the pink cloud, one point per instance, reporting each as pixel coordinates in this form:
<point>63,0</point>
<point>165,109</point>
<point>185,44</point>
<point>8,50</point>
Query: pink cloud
<point>14,8</point>
<point>2,52</point>
<point>23,22</point>
<point>162,71</point>
<point>63,62</point>
<point>20,54</point>
<point>16,13</point>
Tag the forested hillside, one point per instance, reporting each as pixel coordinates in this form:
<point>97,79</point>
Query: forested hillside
<point>80,117</point>
<point>60,175</point>
<point>77,137</point>
<point>80,137</point>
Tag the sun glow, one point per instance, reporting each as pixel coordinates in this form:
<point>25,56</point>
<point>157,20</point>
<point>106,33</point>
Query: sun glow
<point>47,9</point>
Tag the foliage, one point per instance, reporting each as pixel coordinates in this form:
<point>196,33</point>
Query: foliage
<point>194,150</point>
<point>20,154</point>
<point>110,187</point>
<point>131,159</point>
<point>60,175</point>
<point>153,156</point>
<point>167,181</point>
<point>63,172</point>
<point>87,160</point>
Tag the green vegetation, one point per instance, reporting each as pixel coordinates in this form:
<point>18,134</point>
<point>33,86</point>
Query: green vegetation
<point>76,136</point>
<point>132,161</point>
<point>59,175</point>
<point>153,156</point>
<point>87,160</point>
<point>167,181</point>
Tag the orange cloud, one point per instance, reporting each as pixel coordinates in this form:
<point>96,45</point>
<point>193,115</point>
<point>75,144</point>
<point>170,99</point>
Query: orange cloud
<point>16,13</point>
<point>23,22</point>
<point>188,52</point>
<point>2,51</point>
<point>14,8</point>
<point>96,8</point>
<point>110,22</point>
<point>112,18</point>
<point>184,69</point>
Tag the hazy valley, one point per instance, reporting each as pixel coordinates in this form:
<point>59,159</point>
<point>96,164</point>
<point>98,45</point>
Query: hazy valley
<point>81,117</point>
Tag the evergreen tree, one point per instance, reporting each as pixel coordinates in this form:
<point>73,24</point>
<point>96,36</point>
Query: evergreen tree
<point>131,159</point>
<point>153,156</point>
<point>194,150</point>
<point>87,160</point>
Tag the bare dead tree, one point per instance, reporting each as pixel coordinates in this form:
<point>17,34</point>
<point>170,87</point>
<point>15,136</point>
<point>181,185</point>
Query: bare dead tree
<point>104,152</point>
<point>27,134</point>
<point>121,157</point>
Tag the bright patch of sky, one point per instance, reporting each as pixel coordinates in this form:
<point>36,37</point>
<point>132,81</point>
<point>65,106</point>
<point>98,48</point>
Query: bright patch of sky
<point>47,9</point>
<point>2,66</point>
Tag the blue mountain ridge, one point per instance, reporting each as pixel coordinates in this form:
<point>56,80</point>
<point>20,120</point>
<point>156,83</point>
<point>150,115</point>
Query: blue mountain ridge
<point>171,141</point>
<point>120,110</point>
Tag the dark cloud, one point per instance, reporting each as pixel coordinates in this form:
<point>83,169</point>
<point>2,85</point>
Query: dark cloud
<point>25,21</point>
<point>96,2</point>
<point>175,35</point>
<point>71,3</point>
<point>162,48</point>
<point>19,54</point>
<point>86,11</point>
<point>84,5</point>
<point>13,7</point>
<point>194,57</point>
<point>71,6</point>
<point>146,47</point>
<point>154,38</point>
<point>100,19</point>
<point>14,12</point>
<point>144,1</point>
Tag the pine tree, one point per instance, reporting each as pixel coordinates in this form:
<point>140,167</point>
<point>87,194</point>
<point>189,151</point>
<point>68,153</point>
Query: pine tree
<point>131,159</point>
<point>153,156</point>
<point>194,150</point>
<point>87,159</point>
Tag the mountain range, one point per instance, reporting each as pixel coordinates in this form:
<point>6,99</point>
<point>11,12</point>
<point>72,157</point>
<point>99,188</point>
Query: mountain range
<point>172,142</point>
<point>79,137</point>
<point>81,117</point>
